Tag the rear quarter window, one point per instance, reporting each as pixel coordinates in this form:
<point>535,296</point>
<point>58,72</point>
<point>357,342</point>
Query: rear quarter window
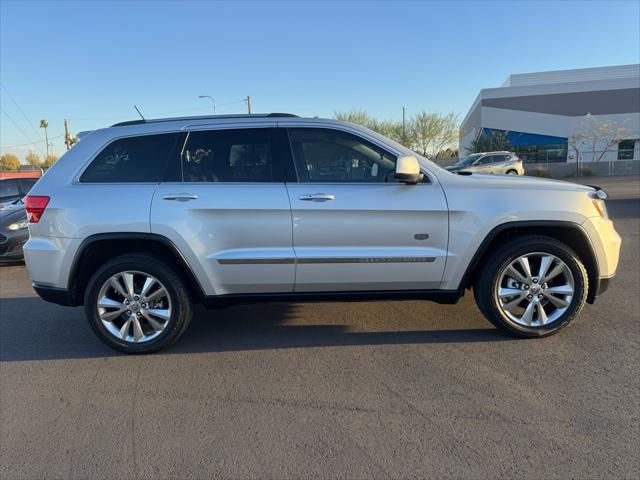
<point>133,159</point>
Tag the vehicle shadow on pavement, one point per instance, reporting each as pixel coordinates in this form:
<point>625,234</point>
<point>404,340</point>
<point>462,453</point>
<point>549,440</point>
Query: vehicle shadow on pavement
<point>31,329</point>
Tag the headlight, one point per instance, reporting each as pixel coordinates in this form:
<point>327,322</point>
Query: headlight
<point>18,225</point>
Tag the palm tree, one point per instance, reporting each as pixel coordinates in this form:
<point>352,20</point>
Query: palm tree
<point>44,124</point>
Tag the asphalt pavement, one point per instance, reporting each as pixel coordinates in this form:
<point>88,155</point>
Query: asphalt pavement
<point>351,390</point>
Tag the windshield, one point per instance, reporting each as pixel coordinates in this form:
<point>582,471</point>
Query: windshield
<point>466,161</point>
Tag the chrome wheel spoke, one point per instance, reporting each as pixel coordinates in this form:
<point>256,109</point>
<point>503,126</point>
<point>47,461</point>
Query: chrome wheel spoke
<point>128,281</point>
<point>524,264</point>
<point>148,283</point>
<point>160,313</point>
<point>124,331</point>
<point>527,316</point>
<point>557,302</point>
<point>542,315</point>
<point>160,292</point>
<point>116,307</point>
<point>509,292</point>
<point>510,306</point>
<point>545,263</point>
<point>557,270</point>
<point>155,324</point>
<point>117,286</point>
<point>560,290</point>
<point>137,329</point>
<point>515,274</point>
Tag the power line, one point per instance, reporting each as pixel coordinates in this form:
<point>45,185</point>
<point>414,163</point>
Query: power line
<point>21,130</point>
<point>27,144</point>
<point>22,112</point>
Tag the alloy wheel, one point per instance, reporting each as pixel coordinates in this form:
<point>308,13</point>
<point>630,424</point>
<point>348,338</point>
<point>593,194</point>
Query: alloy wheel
<point>535,289</point>
<point>134,306</point>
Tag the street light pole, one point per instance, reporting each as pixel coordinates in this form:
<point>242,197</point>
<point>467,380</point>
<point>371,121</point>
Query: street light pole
<point>212,100</point>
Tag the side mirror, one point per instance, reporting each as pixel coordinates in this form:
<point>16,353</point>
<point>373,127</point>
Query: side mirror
<point>408,169</point>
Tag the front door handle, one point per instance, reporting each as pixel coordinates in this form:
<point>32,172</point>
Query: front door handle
<point>317,197</point>
<point>180,197</point>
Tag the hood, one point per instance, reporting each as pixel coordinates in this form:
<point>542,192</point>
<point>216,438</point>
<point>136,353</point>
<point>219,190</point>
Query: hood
<point>524,182</point>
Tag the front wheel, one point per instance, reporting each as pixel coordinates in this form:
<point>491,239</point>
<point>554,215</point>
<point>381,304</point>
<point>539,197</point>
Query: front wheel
<point>512,172</point>
<point>137,304</point>
<point>533,287</point>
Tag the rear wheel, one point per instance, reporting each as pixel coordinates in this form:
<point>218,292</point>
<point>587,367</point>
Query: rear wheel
<point>512,172</point>
<point>137,304</point>
<point>534,287</point>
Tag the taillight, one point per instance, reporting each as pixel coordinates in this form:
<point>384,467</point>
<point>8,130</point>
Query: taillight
<point>35,205</point>
<point>519,160</point>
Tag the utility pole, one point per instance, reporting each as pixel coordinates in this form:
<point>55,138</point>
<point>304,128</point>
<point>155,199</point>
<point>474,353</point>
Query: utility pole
<point>248,100</point>
<point>44,124</point>
<point>67,135</point>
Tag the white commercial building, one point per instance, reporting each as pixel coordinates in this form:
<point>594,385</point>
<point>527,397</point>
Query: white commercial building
<point>589,114</point>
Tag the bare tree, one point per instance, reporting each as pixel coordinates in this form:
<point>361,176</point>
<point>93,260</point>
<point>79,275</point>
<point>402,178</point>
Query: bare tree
<point>433,132</point>
<point>427,133</point>
<point>600,136</point>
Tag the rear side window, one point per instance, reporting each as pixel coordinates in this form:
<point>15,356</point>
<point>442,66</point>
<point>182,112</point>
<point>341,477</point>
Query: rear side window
<point>242,155</point>
<point>133,159</point>
<point>27,184</point>
<point>9,188</point>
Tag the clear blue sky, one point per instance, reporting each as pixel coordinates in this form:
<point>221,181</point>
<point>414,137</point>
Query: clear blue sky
<point>90,61</point>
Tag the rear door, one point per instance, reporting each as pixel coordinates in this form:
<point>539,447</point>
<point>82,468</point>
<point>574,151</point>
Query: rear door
<point>354,227</point>
<point>226,208</point>
<point>484,164</point>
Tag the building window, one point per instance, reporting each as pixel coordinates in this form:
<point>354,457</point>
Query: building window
<point>625,149</point>
<point>531,147</point>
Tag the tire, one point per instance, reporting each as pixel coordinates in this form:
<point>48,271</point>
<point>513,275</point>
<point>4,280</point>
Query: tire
<point>169,297</point>
<point>496,308</point>
<point>512,172</point>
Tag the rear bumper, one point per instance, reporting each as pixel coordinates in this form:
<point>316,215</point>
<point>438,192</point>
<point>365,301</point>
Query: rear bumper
<point>59,296</point>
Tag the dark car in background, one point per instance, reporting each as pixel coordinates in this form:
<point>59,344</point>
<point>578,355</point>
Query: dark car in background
<point>12,189</point>
<point>14,231</point>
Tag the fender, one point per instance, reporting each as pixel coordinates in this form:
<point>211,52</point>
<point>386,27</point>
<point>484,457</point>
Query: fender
<point>591,263</point>
<point>134,236</point>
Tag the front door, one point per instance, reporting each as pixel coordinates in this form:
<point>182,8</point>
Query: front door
<point>354,227</point>
<point>226,208</point>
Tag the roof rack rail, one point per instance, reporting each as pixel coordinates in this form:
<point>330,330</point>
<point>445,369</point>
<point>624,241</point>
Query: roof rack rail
<point>203,117</point>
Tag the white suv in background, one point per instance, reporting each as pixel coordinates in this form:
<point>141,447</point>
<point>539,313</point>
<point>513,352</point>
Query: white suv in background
<point>501,163</point>
<point>140,220</point>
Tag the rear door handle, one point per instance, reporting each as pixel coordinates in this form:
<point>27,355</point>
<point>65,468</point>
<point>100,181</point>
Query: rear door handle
<point>180,197</point>
<point>317,197</point>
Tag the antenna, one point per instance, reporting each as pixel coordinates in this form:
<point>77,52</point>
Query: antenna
<point>144,119</point>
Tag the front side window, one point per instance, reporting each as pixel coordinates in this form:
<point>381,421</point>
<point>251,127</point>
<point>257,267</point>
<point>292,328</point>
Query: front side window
<point>132,159</point>
<point>228,156</point>
<point>323,155</point>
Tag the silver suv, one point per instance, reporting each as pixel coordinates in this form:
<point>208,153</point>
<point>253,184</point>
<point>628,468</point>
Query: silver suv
<point>141,220</point>
<point>502,163</point>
